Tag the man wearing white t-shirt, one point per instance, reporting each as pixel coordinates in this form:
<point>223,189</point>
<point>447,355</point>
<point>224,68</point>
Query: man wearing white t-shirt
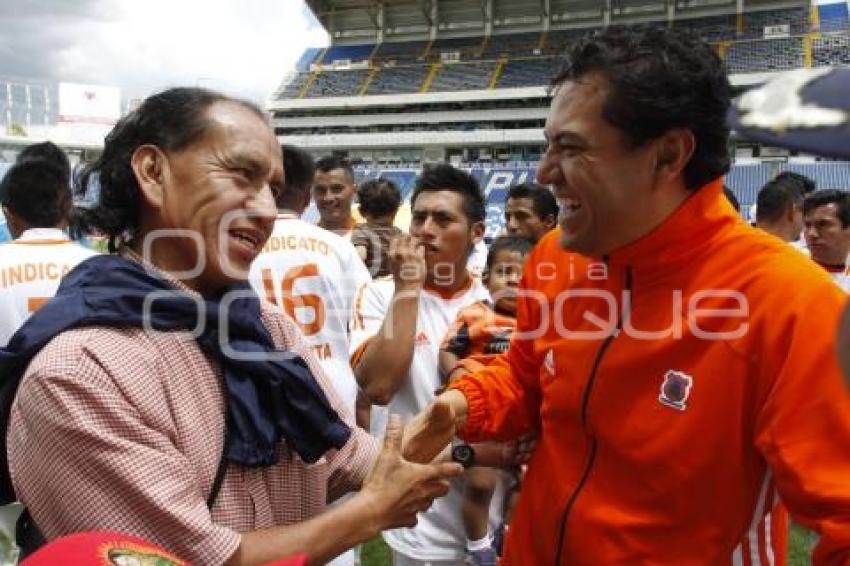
<point>311,274</point>
<point>826,227</point>
<point>36,201</point>
<point>399,324</point>
<point>333,192</point>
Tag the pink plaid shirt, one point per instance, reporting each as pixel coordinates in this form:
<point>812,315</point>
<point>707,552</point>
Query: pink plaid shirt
<point>122,430</point>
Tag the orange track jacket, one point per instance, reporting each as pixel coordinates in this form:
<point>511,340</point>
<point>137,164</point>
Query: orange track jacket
<point>674,384</point>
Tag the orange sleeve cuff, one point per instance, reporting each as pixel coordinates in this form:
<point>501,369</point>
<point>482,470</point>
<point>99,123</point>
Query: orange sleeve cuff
<point>476,415</point>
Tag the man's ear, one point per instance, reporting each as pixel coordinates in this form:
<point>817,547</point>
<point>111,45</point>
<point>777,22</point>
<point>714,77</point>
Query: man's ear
<point>550,221</point>
<point>148,163</point>
<point>675,149</point>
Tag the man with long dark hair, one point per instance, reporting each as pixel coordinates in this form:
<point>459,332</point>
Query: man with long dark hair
<point>160,397</point>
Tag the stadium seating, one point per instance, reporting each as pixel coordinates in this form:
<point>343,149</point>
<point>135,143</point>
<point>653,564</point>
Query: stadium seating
<point>463,76</point>
<point>531,56</point>
<point>515,45</point>
<point>557,41</point>
<point>755,22</point>
<point>527,72</point>
<point>712,28</point>
<point>404,52</point>
<point>398,79</point>
<point>468,47</point>
<point>293,89</point>
<point>765,55</point>
<point>351,53</point>
<point>831,49</point>
<point>337,83</point>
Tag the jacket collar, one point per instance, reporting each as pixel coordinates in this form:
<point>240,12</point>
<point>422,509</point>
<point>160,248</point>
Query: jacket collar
<point>688,229</point>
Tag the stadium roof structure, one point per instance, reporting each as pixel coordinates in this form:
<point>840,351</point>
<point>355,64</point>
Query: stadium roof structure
<point>350,21</point>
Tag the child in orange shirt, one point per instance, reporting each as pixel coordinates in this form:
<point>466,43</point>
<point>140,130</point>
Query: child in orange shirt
<point>481,332</point>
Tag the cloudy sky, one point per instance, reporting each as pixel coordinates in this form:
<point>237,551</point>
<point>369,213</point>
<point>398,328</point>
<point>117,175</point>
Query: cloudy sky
<point>243,47</point>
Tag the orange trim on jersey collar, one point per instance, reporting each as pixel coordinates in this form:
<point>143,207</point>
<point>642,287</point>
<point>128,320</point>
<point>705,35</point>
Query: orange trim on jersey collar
<point>448,295</point>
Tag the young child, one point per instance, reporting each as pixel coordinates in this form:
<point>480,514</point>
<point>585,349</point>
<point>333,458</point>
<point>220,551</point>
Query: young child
<point>379,202</point>
<point>481,332</point>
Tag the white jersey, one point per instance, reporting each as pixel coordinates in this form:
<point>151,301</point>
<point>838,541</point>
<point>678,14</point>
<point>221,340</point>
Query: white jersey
<point>477,261</point>
<point>314,276</point>
<point>31,268</point>
<point>439,534</point>
<point>842,278</point>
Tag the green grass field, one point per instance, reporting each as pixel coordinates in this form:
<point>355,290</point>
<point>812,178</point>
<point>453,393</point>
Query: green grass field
<point>376,553</point>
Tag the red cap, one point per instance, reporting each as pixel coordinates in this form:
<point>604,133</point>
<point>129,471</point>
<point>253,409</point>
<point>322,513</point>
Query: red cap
<point>102,549</point>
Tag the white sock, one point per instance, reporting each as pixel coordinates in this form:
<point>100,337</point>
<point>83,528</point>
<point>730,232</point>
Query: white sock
<point>480,544</point>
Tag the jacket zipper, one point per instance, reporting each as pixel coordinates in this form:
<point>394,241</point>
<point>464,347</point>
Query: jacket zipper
<point>585,401</point>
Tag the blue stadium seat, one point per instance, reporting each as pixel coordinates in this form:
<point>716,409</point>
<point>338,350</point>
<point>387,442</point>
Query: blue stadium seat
<point>398,79</point>
<point>337,83</point>
<point>765,55</point>
<point>831,49</point>
<point>463,76</point>
<point>528,72</point>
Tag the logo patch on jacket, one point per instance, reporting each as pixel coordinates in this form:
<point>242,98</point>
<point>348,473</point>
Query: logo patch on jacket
<point>675,389</point>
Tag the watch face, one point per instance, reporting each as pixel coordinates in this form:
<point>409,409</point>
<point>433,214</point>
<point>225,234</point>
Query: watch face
<point>463,454</point>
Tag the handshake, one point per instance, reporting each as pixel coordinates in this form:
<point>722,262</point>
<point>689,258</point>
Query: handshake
<point>415,464</point>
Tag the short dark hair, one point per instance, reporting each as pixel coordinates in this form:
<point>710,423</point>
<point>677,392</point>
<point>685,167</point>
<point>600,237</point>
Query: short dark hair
<point>36,190</point>
<point>444,177</point>
<point>378,197</point>
<point>510,243</point>
<point>543,200</point>
<point>299,170</point>
<point>171,120</point>
<point>822,198</point>
<point>48,151</point>
<point>660,79</point>
<point>804,184</point>
<point>733,200</point>
<point>331,162</point>
<point>776,196</point>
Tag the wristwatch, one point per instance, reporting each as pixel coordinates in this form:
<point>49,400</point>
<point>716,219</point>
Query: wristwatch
<point>463,454</point>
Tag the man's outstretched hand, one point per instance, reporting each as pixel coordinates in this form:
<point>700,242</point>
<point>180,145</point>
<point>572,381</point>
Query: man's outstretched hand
<point>398,489</point>
<point>429,432</point>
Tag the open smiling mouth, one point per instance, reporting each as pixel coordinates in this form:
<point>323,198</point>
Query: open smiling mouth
<point>249,238</point>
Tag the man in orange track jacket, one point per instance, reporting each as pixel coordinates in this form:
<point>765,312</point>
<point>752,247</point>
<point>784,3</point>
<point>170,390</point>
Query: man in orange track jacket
<point>678,365</point>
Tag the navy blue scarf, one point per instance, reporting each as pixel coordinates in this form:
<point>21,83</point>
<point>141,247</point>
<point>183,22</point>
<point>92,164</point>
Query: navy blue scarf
<point>270,399</point>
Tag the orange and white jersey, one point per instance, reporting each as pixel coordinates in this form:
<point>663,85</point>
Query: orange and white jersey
<point>313,275</point>
<point>30,270</point>
<point>439,533</point>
